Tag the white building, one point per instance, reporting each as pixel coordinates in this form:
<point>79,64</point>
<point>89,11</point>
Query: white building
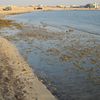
<point>95,5</point>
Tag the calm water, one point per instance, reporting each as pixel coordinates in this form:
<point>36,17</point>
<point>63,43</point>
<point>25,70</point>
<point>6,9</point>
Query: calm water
<point>88,21</point>
<point>69,67</point>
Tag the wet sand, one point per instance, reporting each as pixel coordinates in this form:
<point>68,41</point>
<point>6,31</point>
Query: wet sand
<point>17,80</point>
<point>74,46</point>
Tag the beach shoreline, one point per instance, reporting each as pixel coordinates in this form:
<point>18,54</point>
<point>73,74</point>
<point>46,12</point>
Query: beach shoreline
<point>73,38</point>
<point>28,9</point>
<point>17,78</point>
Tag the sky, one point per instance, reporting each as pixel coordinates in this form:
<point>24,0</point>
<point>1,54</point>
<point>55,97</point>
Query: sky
<point>46,2</point>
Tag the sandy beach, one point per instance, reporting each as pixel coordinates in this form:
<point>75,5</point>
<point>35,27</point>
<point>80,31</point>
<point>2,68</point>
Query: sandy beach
<point>16,10</point>
<point>62,57</point>
<point>17,81</point>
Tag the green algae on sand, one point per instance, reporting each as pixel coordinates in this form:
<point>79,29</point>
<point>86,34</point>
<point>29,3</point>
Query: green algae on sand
<point>9,23</point>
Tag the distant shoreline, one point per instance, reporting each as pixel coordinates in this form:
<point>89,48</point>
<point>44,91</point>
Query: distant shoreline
<point>21,9</point>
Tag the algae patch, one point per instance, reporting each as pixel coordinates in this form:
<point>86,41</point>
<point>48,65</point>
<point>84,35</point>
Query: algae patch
<point>5,23</point>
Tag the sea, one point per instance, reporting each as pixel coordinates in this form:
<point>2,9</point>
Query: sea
<point>70,66</point>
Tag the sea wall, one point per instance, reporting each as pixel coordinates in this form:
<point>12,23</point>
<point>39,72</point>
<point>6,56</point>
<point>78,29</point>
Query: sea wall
<point>17,80</point>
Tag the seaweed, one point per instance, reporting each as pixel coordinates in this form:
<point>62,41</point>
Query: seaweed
<point>5,23</point>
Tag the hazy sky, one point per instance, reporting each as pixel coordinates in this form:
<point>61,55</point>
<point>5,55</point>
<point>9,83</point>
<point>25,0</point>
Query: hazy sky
<point>45,2</point>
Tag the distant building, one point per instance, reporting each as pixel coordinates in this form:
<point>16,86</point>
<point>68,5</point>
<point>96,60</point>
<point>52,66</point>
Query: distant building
<point>7,8</point>
<point>61,6</point>
<point>94,5</point>
<point>75,6</point>
<point>98,5</point>
<point>67,6</point>
<point>39,7</point>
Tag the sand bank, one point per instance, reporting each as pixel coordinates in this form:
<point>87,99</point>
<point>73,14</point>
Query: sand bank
<point>15,10</point>
<point>17,80</point>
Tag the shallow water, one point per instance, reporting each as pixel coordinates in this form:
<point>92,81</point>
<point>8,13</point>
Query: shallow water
<point>88,21</point>
<point>69,64</point>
